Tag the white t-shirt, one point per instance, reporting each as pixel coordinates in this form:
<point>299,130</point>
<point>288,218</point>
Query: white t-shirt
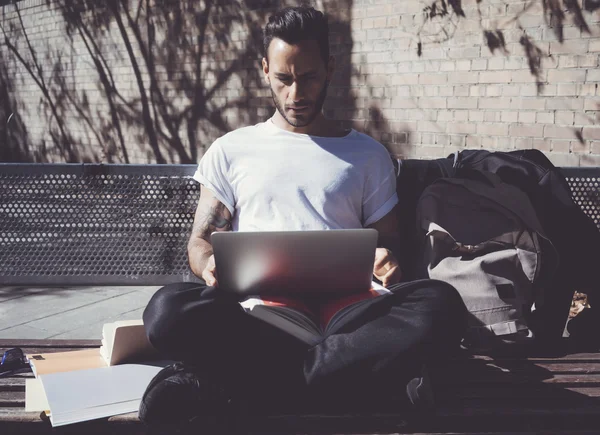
<point>273,180</point>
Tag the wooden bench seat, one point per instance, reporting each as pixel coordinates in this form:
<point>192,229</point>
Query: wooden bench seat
<point>66,224</point>
<point>514,390</point>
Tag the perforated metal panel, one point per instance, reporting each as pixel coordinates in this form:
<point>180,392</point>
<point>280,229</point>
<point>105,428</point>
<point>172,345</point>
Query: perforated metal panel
<point>95,224</point>
<point>123,224</point>
<point>585,189</point>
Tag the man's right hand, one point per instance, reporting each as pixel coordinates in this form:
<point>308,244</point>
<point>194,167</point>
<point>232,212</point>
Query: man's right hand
<point>209,274</point>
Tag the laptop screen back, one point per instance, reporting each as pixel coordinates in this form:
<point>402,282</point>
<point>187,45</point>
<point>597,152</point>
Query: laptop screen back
<point>295,262</point>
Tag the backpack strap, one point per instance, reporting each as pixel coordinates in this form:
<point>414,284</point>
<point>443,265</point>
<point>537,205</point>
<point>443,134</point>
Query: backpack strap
<point>456,158</point>
<point>446,166</point>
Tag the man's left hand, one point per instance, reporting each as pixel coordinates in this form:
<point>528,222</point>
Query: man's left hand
<point>386,268</point>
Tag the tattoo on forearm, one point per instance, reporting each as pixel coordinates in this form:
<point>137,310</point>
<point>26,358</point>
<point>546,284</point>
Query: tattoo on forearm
<point>213,220</point>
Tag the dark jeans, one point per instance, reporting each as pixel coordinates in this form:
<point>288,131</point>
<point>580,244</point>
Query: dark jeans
<point>373,357</point>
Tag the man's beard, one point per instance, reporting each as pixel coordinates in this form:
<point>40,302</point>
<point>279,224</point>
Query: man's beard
<point>318,106</point>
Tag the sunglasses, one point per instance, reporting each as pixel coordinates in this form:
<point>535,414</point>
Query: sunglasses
<point>13,362</point>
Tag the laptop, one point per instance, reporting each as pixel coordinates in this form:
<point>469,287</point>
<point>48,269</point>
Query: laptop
<point>295,262</point>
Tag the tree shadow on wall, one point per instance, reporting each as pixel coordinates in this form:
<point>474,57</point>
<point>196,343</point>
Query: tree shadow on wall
<point>14,142</point>
<point>168,75</point>
<point>164,78</point>
<point>447,14</point>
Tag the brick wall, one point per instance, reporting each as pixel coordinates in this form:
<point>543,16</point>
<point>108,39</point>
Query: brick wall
<point>445,82</point>
<point>89,81</point>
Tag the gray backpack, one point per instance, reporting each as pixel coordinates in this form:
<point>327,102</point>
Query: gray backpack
<point>483,237</point>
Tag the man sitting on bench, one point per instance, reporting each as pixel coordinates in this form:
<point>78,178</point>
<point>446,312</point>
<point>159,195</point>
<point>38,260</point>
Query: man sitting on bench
<point>295,171</point>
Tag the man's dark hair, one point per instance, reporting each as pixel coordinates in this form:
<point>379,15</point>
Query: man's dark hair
<point>293,25</point>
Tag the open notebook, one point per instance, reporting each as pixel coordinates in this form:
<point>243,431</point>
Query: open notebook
<point>312,324</point>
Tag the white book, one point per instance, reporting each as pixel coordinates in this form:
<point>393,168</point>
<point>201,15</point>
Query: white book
<point>90,394</point>
<point>35,399</point>
<point>123,341</point>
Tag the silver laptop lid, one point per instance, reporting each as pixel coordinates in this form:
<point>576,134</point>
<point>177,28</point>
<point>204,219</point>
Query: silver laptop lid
<point>291,262</point>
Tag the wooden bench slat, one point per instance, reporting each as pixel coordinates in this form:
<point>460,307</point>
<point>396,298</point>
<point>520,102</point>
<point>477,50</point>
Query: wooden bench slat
<point>492,379</point>
<point>573,357</point>
<point>13,384</point>
<point>59,344</point>
<point>12,399</point>
<point>516,406</point>
<point>537,368</point>
<point>18,415</point>
<point>464,417</point>
<point>529,391</point>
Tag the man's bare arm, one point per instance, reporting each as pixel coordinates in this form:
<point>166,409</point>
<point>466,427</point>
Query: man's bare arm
<point>388,230</point>
<point>386,267</point>
<point>211,215</point>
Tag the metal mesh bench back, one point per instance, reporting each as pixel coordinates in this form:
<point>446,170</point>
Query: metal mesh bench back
<point>585,190</point>
<point>66,224</point>
<point>69,224</point>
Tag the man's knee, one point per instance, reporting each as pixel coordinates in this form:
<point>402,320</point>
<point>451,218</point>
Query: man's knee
<point>162,311</point>
<point>427,290</point>
<point>443,294</point>
<point>441,300</point>
<point>449,311</point>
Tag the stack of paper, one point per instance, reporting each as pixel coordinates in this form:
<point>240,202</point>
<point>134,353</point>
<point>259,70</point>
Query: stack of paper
<point>95,393</point>
<point>94,383</point>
